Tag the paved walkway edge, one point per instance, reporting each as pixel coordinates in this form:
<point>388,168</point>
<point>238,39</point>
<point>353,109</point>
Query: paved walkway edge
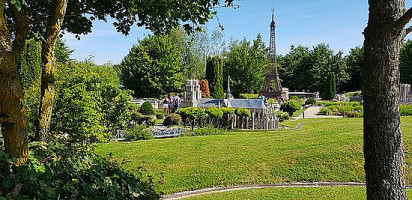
<point>186,194</point>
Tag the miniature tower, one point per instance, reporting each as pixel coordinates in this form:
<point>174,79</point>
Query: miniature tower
<point>272,87</point>
<point>192,94</point>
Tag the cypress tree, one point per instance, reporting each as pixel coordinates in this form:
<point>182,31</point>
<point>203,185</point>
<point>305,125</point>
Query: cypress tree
<point>328,88</point>
<point>333,86</point>
<point>214,74</point>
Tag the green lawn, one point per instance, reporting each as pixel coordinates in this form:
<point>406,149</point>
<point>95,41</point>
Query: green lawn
<point>322,150</point>
<point>341,193</point>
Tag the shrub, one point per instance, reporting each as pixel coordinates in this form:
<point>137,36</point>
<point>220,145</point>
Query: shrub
<point>282,116</point>
<point>242,112</point>
<point>173,119</point>
<point>406,110</point>
<point>214,113</point>
<point>290,107</point>
<point>248,96</point>
<point>325,111</point>
<point>310,101</point>
<point>66,170</point>
<point>139,132</point>
<point>160,115</point>
<point>227,111</point>
<point>147,108</point>
<point>193,114</point>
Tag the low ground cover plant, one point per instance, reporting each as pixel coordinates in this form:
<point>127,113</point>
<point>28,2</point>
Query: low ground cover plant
<point>345,109</point>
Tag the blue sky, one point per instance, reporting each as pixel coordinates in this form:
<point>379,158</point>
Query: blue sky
<point>307,22</point>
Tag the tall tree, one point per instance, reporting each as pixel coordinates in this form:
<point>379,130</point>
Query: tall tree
<point>20,18</point>
<point>307,69</point>
<point>354,61</point>
<point>246,64</point>
<point>153,67</point>
<point>405,62</point>
<point>383,146</point>
<point>214,74</point>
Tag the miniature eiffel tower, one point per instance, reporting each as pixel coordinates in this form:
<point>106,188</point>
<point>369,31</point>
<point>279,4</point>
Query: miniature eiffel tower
<point>272,87</point>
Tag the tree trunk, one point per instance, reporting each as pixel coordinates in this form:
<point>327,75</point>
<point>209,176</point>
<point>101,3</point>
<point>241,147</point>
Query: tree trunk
<point>12,111</point>
<point>383,148</point>
<point>48,89</point>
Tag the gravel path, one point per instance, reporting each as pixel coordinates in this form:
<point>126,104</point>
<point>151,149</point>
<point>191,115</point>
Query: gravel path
<point>186,194</point>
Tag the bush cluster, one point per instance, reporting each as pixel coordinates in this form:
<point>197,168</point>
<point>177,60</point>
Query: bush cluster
<point>282,116</point>
<point>310,101</point>
<point>66,170</point>
<point>346,109</point>
<point>290,107</point>
<point>242,112</point>
<point>147,108</point>
<point>139,132</point>
<point>143,119</point>
<point>172,120</point>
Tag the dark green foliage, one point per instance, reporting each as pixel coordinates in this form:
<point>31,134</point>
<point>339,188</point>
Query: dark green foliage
<point>406,110</point>
<point>89,104</point>
<point>192,116</point>
<point>172,120</point>
<point>354,61</point>
<point>290,107</point>
<point>152,67</point>
<point>138,132</point>
<point>306,69</point>
<point>405,65</point>
<point>66,170</point>
<point>310,101</point>
<point>214,74</point>
<point>62,52</point>
<point>242,112</point>
<point>147,109</point>
<point>248,96</point>
<point>330,87</point>
<point>246,63</point>
<point>160,115</point>
<point>30,75</point>
<point>282,116</point>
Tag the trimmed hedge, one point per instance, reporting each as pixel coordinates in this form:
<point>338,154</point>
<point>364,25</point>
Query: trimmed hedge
<point>172,120</point>
<point>147,108</point>
<point>248,96</point>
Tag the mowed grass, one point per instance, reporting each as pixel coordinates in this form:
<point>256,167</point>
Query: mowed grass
<point>322,150</point>
<point>307,193</point>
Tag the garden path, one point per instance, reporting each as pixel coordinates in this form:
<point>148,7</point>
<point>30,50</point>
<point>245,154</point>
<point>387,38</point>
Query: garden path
<point>186,194</point>
<point>312,112</point>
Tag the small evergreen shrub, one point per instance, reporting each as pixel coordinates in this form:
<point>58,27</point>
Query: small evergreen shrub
<point>290,107</point>
<point>160,115</point>
<point>325,111</point>
<point>282,116</point>
<point>310,101</point>
<point>139,132</point>
<point>172,120</point>
<point>147,108</point>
